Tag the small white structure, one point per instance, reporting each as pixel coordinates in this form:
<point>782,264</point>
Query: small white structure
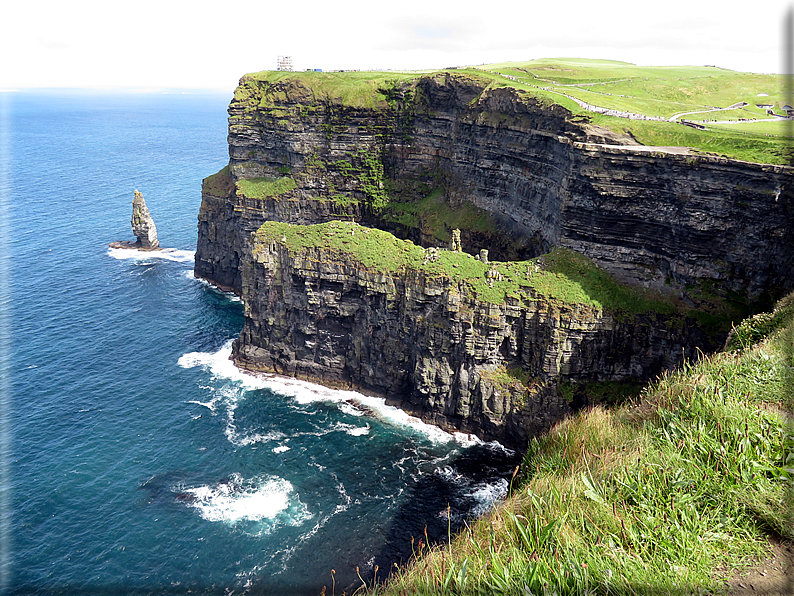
<point>284,63</point>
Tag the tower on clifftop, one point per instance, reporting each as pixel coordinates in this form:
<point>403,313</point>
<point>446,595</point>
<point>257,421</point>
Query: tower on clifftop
<point>284,63</point>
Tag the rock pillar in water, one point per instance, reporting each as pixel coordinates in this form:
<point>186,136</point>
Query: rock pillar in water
<point>143,225</point>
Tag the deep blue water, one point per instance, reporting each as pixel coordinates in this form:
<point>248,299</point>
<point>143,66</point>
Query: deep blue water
<point>135,458</point>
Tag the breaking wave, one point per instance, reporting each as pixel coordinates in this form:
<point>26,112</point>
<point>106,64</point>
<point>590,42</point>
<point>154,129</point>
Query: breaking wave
<point>303,392</point>
<point>260,499</point>
<point>166,254</point>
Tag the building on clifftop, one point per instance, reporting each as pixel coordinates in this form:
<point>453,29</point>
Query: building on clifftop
<point>284,63</point>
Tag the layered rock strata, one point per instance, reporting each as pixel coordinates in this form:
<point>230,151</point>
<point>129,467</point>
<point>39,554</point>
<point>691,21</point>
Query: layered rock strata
<point>519,176</point>
<point>405,325</point>
<point>142,224</point>
<point>540,176</point>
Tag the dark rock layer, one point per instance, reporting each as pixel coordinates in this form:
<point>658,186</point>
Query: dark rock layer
<point>428,344</point>
<point>544,179</point>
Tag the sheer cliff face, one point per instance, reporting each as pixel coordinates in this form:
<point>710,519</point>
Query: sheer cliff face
<point>542,178</point>
<point>425,340</point>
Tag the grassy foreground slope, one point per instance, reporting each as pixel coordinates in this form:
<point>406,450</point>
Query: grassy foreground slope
<point>668,495</point>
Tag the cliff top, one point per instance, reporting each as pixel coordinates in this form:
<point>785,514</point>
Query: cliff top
<point>355,89</point>
<point>727,113</point>
<point>562,276</point>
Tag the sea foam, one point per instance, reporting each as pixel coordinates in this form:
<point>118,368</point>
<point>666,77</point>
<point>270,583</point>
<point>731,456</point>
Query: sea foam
<point>254,500</point>
<point>304,393</point>
<point>166,254</point>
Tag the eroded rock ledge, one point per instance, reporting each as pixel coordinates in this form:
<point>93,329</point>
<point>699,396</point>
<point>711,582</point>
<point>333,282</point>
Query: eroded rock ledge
<point>479,347</point>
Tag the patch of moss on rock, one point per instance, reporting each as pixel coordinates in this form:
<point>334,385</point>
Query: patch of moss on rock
<point>263,188</point>
<point>219,184</point>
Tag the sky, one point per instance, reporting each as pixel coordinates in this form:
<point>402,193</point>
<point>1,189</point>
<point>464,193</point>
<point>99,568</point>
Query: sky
<point>151,44</point>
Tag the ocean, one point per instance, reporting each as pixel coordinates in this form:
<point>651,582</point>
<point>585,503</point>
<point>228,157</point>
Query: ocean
<point>135,458</point>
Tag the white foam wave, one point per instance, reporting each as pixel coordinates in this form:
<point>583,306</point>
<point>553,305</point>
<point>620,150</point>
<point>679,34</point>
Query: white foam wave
<point>166,254</point>
<point>487,495</point>
<point>190,274</point>
<point>349,408</point>
<point>280,449</point>
<point>304,392</point>
<point>466,439</point>
<point>210,405</point>
<point>256,499</point>
<point>449,474</point>
<point>359,431</point>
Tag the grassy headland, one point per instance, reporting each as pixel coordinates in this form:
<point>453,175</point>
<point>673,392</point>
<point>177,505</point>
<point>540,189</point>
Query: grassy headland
<point>746,132</point>
<point>668,495</point>
<point>360,89</point>
<point>563,276</point>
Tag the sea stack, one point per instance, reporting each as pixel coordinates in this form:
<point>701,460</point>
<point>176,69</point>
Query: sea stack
<point>143,225</point>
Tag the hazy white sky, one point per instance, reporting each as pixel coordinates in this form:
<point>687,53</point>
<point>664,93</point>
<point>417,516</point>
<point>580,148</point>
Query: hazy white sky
<point>195,44</point>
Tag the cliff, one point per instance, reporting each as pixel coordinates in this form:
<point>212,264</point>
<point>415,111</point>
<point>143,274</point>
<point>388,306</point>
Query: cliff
<point>481,347</point>
<point>516,173</point>
<point>502,350</point>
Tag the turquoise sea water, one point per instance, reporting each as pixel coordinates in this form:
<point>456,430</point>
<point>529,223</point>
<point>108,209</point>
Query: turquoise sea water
<point>135,458</point>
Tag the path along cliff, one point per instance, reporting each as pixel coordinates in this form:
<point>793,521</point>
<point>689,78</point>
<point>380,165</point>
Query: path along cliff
<point>519,176</point>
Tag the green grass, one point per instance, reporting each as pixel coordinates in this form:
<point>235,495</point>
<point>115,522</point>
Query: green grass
<point>560,277</point>
<point>762,128</point>
<point>664,91</point>
<point>263,188</point>
<point>219,184</point>
<point>353,89</point>
<point>726,143</point>
<point>650,90</point>
<point>435,218</point>
<point>667,495</point>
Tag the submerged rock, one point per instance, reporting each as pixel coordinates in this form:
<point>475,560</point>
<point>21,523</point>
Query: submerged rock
<point>142,227</point>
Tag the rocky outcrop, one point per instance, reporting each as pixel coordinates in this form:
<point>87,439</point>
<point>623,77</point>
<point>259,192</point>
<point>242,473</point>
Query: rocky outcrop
<point>404,324</point>
<point>142,227</point>
<point>142,224</point>
<point>532,175</point>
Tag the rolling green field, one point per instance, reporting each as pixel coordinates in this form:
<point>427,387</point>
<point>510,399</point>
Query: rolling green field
<point>665,91</point>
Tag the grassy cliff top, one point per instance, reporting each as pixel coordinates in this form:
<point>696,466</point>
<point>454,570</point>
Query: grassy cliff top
<point>352,88</point>
<point>742,128</point>
<point>562,277</point>
<point>651,90</point>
